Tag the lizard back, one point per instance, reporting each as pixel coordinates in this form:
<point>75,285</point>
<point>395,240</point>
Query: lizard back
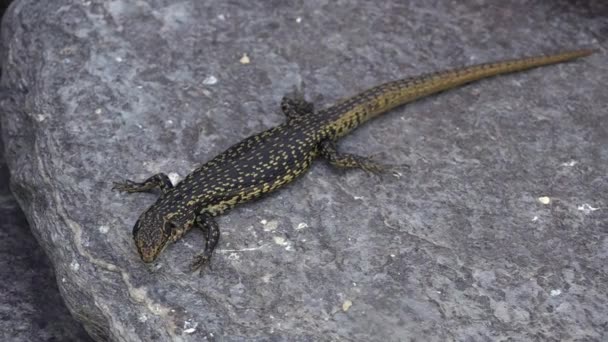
<point>257,165</point>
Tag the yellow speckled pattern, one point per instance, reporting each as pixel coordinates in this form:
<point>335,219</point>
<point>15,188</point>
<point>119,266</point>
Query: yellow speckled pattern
<point>268,160</point>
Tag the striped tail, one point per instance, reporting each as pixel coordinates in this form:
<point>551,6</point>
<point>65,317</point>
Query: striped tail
<point>349,114</point>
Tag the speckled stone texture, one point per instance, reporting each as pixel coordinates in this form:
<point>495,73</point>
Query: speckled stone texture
<point>497,232</point>
<point>31,308</point>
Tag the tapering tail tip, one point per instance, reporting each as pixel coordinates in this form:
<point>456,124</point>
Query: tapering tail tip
<point>533,62</point>
<point>583,52</point>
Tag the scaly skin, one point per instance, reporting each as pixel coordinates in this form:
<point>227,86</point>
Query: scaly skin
<point>268,160</point>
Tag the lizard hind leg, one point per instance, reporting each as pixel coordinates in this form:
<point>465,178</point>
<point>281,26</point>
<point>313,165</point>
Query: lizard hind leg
<point>212,236</point>
<point>351,161</point>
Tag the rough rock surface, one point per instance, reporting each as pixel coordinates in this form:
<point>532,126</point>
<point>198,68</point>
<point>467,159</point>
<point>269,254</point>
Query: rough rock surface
<point>497,231</point>
<point>31,308</point>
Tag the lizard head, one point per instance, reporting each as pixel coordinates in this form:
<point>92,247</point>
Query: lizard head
<point>151,233</point>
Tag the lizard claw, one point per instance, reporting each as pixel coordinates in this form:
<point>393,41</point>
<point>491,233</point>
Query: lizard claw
<point>201,261</point>
<point>375,168</point>
<point>396,170</point>
<point>126,186</point>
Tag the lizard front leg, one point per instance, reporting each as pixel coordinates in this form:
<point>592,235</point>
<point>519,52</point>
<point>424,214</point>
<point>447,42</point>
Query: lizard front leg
<point>210,228</point>
<point>159,180</point>
<point>294,105</point>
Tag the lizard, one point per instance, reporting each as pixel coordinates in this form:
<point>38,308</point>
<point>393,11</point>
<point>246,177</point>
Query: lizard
<point>268,160</point>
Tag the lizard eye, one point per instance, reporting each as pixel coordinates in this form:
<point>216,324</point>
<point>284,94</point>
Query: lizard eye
<point>169,227</point>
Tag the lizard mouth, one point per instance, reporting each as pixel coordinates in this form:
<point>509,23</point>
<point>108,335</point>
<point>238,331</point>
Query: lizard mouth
<point>147,258</point>
<point>150,254</point>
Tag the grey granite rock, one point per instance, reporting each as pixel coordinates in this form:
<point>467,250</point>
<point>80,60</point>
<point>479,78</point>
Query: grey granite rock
<point>31,308</point>
<point>497,232</point>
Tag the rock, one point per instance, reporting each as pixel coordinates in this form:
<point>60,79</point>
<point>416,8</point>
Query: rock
<point>31,308</point>
<point>457,248</point>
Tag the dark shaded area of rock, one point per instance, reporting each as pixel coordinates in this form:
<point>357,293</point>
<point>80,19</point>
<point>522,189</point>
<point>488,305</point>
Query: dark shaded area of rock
<point>3,6</point>
<point>497,231</point>
<point>31,308</point>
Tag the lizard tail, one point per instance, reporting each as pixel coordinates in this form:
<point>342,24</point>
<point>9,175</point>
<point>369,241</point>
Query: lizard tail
<point>349,114</point>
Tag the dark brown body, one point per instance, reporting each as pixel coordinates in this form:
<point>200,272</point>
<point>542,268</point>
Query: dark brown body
<point>268,160</point>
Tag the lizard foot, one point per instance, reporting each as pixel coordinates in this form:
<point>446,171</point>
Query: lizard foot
<point>126,186</point>
<point>201,262</point>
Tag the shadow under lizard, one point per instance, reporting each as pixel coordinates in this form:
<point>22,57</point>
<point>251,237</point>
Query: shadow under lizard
<point>269,160</point>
